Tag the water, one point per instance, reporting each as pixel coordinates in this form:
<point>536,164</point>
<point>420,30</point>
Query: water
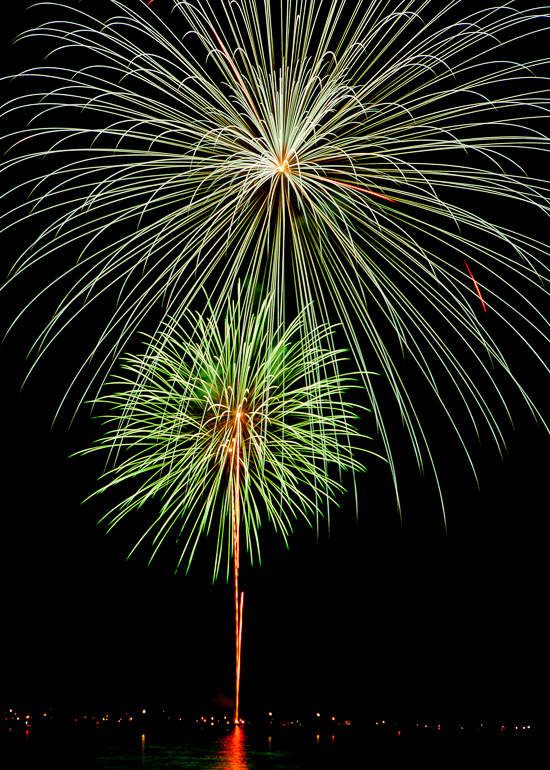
<point>242,750</point>
<point>232,751</point>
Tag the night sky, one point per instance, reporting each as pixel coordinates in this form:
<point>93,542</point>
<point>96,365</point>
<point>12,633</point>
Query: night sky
<point>385,617</point>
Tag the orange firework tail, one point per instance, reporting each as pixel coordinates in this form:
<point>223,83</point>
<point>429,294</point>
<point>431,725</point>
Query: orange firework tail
<point>347,184</point>
<point>475,284</point>
<point>361,189</point>
<point>235,499</point>
<point>235,72</point>
<point>238,671</point>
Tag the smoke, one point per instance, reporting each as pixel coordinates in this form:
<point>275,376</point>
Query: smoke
<point>220,700</point>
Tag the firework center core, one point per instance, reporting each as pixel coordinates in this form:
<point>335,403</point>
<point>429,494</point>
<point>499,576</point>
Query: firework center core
<point>283,168</point>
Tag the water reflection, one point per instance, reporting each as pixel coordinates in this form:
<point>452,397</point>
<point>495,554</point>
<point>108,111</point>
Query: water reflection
<point>231,751</point>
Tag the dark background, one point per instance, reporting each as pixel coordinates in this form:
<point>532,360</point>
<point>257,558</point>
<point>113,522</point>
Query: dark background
<point>386,616</point>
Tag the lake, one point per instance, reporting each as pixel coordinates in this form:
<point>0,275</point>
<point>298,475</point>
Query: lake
<point>243,749</point>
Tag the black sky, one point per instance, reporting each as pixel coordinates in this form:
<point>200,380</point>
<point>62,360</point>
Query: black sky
<point>383,617</point>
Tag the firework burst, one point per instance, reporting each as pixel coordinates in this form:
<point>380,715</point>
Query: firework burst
<point>338,152</point>
<point>204,416</point>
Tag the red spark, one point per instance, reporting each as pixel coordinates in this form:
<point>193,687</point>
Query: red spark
<point>224,51</point>
<point>361,189</point>
<point>347,184</point>
<point>475,284</point>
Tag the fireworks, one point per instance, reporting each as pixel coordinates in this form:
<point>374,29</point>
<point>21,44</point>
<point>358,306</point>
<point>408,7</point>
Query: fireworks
<point>316,148</point>
<point>344,157</point>
<point>226,427</point>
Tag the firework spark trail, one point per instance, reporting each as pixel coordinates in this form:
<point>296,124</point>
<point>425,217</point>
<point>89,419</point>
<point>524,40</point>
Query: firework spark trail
<point>236,73</point>
<point>238,678</point>
<point>353,187</point>
<point>476,286</point>
<point>236,461</point>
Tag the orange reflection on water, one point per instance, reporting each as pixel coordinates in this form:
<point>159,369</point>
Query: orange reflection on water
<point>231,754</point>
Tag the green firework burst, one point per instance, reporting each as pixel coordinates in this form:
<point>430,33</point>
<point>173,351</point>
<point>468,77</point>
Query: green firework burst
<point>174,428</point>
